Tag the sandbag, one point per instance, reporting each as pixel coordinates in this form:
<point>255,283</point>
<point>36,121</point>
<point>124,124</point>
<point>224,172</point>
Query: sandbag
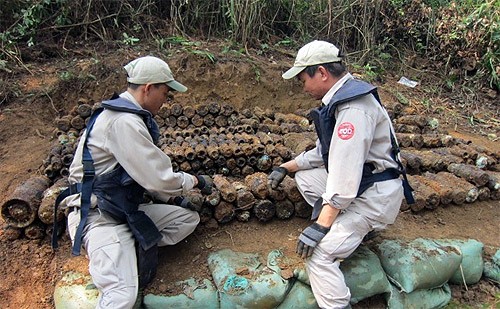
<point>492,268</point>
<point>299,297</point>
<point>75,291</point>
<point>419,299</point>
<point>471,268</point>
<point>196,295</point>
<point>244,282</point>
<point>364,274</point>
<point>418,264</point>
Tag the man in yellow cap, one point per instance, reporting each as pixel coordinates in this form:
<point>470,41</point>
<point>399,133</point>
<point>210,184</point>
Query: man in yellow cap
<point>352,176</point>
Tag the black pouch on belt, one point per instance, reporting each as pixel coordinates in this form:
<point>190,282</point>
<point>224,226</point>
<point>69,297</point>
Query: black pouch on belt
<point>147,263</point>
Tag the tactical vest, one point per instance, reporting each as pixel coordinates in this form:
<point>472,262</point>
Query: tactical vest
<point>324,123</point>
<point>117,193</point>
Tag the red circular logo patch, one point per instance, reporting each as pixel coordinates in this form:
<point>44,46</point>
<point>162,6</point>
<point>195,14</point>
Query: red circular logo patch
<point>345,130</point>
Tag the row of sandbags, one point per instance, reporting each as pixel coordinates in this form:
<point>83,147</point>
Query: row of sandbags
<point>409,274</point>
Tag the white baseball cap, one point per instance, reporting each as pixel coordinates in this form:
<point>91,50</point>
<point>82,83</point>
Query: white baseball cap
<point>315,52</point>
<point>152,70</point>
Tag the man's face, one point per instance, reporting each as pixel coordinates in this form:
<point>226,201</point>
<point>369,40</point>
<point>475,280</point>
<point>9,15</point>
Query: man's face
<point>315,86</point>
<point>155,96</point>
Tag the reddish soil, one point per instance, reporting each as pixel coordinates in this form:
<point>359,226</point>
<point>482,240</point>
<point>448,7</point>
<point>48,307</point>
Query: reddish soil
<point>39,94</point>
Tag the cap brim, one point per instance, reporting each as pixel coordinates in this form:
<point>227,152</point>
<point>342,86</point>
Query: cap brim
<point>292,72</point>
<point>175,85</point>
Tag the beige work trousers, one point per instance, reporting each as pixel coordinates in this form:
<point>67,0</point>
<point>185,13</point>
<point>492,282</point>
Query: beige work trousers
<point>345,235</point>
<point>110,247</point>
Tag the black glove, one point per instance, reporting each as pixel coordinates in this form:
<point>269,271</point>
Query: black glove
<point>183,202</point>
<point>276,177</point>
<point>205,184</point>
<point>309,238</point>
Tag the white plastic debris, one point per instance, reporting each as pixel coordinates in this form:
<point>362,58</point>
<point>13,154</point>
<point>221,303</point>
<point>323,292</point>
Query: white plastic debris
<point>407,82</point>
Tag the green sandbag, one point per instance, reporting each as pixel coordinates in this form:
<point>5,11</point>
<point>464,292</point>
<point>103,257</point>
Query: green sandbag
<point>492,268</point>
<point>419,299</point>
<point>364,274</point>
<point>471,268</point>
<point>299,297</point>
<point>196,295</point>
<point>244,282</point>
<point>75,291</point>
<point>419,264</point>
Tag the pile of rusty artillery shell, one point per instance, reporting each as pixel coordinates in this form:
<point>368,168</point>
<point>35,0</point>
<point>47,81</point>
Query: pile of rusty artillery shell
<point>250,197</point>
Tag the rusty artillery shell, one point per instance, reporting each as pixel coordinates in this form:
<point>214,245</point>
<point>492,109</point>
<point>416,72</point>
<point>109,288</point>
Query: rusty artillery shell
<point>291,190</point>
<point>465,191</point>
<point>214,108</point>
<point>226,109</point>
<point>302,209</point>
<point>178,153</point>
<point>277,161</point>
<point>231,163</point>
<point>209,120</point>
<point>444,190</point>
<point>494,181</point>
<point>247,170</point>
<point>46,209</point>
<point>226,150</point>
<point>189,152</point>
<point>299,142</point>
<point>270,128</point>
<point>446,156</point>
<point>414,120</point>
<point>21,208</point>
<point>212,151</point>
<point>405,128</point>
<point>64,123</point>
<point>214,198</point>
<point>171,121</point>
<point>438,140</point>
<point>185,166</point>
<point>196,198</point>
<point>77,122</point>
<point>406,140</point>
<point>264,210</point>
<point>470,173</point>
<point>182,122</point>
<point>271,150</point>
<point>243,215</point>
<point>35,230</point>
<point>413,161</point>
<point>291,128</point>
<point>227,190</point>
<point>264,138</point>
<point>84,110</point>
<point>67,159</point>
<point>278,194</point>
<point>159,121</point>
<point>201,109</point>
<point>201,151</point>
<point>188,111</point>
<point>11,233</point>
<point>257,183</point>
<point>221,121</point>
<point>176,109</point>
<point>206,214</point>
<point>224,212</point>
<point>165,111</point>
<point>284,152</point>
<point>244,199</point>
<point>264,163</point>
<point>197,120</point>
<point>292,118</point>
<point>431,161</point>
<point>51,171</point>
<point>424,192</point>
<point>483,193</point>
<point>284,209</point>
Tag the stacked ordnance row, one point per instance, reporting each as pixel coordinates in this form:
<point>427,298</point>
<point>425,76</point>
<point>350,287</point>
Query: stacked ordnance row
<point>239,148</point>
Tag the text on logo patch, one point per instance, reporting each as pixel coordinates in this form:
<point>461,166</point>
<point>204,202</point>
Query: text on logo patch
<point>345,130</point>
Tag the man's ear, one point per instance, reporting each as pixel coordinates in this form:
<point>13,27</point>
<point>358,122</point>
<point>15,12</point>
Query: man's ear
<point>324,72</point>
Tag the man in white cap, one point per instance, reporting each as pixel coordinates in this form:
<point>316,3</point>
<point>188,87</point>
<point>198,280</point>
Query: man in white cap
<point>115,163</point>
<point>352,176</point>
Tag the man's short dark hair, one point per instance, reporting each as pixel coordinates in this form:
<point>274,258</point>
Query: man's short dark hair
<point>337,69</point>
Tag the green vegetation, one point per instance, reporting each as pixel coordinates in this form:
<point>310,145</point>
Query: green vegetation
<point>461,38</point>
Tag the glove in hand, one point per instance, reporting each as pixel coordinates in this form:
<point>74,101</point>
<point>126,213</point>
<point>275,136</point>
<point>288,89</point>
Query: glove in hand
<point>184,202</point>
<point>309,238</point>
<point>276,177</point>
<point>205,184</point>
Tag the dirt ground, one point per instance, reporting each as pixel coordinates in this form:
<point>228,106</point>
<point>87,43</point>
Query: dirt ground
<point>40,91</point>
